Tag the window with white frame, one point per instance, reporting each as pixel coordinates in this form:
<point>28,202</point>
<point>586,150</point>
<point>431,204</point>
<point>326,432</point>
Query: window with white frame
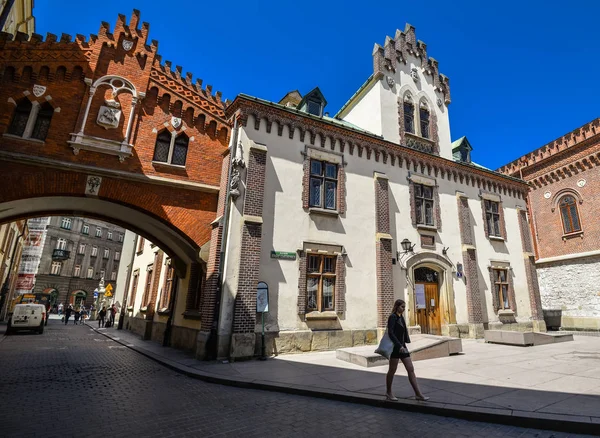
<point>109,235</point>
<point>85,229</point>
<point>61,244</point>
<point>31,120</point>
<point>424,120</point>
<point>81,248</point>
<point>121,238</point>
<point>77,271</point>
<point>90,272</point>
<point>106,253</point>
<point>171,148</point>
<point>102,273</point>
<point>66,223</point>
<point>323,184</point>
<point>424,204</point>
<point>409,115</point>
<point>55,269</point>
<point>492,217</point>
<point>98,232</point>
<point>113,275</point>
<point>117,255</point>
<point>94,251</point>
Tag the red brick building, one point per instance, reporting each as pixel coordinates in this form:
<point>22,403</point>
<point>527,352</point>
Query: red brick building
<point>103,127</point>
<point>564,206</point>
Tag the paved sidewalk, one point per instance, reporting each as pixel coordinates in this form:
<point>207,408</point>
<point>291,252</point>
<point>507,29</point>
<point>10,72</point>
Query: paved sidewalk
<point>554,386</point>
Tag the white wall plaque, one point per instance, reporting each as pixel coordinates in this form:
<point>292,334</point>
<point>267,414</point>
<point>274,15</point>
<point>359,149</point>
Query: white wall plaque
<point>547,195</point>
<point>581,183</point>
<point>420,296</point>
<point>92,186</point>
<point>108,117</point>
<point>176,122</point>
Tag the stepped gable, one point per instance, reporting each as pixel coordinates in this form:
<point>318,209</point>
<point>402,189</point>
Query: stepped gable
<point>396,50</point>
<point>81,58</point>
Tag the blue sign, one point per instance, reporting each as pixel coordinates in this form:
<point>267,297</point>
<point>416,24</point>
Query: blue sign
<point>95,294</point>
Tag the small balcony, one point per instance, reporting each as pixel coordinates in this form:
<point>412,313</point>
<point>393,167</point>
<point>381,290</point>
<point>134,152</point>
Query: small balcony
<point>60,254</point>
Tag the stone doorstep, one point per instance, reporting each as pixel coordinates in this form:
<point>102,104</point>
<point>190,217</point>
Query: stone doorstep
<point>525,339</point>
<point>423,347</point>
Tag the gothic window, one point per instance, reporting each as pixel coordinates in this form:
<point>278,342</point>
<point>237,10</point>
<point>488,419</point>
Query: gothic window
<point>409,117</point>
<point>424,204</point>
<point>42,122</point>
<point>569,214</point>
<point>171,149</point>
<point>424,119</point>
<point>180,150</point>
<point>320,284</point>
<point>20,117</point>
<point>323,184</point>
<point>501,287</point>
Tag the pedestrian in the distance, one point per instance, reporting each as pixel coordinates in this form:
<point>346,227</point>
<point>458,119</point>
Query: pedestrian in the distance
<point>101,316</point>
<point>113,312</point>
<point>398,333</point>
<point>60,308</point>
<point>77,315</point>
<point>68,313</point>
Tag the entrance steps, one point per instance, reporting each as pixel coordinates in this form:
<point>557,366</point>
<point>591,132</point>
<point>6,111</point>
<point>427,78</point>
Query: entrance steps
<point>422,347</point>
<point>525,339</point>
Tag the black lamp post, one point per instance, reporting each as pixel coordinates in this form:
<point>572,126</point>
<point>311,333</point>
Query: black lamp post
<point>406,246</point>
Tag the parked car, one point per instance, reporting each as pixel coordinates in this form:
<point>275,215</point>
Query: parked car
<point>27,317</point>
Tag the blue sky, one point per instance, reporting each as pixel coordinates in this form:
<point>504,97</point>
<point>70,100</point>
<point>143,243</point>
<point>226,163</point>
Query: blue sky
<point>522,73</point>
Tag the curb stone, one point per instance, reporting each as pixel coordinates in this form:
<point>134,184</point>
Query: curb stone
<point>561,423</point>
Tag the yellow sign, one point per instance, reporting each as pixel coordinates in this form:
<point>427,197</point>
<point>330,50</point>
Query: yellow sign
<point>108,292</point>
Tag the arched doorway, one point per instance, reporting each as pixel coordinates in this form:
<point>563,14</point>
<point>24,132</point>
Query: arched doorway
<point>78,298</point>
<point>53,295</point>
<point>427,300</point>
<point>434,273</point>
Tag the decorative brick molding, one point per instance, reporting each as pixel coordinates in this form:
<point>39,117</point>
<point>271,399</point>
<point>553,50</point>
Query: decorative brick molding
<point>382,204</point>
<point>341,189</point>
<point>464,221</point>
<point>340,284</point>
<point>473,292</point>
<point>502,221</point>
<point>156,270</point>
<point>302,283</point>
<point>306,182</point>
<point>427,240</point>
<point>435,136</point>
<point>534,289</point>
<point>385,281</point>
<point>244,317</point>
<point>437,207</point>
<point>525,232</point>
<point>413,208</point>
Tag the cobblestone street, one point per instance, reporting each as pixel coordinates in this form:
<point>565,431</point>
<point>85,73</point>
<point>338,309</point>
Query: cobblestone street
<point>71,381</point>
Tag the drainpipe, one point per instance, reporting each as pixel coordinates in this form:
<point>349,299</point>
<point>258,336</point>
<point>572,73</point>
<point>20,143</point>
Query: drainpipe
<point>211,344</point>
<point>6,284</point>
<point>127,282</point>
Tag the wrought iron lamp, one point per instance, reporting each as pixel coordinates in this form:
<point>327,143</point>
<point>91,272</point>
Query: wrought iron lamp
<point>407,247</point>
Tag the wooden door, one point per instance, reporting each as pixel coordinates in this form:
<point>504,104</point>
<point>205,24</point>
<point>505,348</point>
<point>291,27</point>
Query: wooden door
<point>429,317</point>
<point>432,302</point>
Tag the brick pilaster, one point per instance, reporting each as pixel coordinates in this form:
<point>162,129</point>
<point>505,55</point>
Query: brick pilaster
<point>385,280</point>
<point>473,291</point>
<point>209,294</point>
<point>156,270</point>
<point>244,318</point>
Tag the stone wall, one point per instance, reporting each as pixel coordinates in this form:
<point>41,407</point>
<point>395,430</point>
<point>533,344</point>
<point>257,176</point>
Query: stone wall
<point>574,287</point>
<point>302,341</point>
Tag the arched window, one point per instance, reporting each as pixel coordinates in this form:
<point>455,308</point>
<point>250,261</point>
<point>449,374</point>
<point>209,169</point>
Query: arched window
<point>409,115</point>
<point>180,150</point>
<point>569,214</point>
<point>19,121</point>
<point>171,149</point>
<point>162,147</point>
<point>424,120</point>
<point>42,122</point>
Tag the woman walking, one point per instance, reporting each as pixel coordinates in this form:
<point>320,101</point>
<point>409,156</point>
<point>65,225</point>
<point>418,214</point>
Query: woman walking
<point>101,316</point>
<point>398,333</point>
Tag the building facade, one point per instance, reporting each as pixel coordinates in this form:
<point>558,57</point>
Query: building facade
<point>32,255</point>
<point>339,216</point>
<point>77,253</point>
<point>13,236</point>
<point>564,202</point>
<point>17,16</point>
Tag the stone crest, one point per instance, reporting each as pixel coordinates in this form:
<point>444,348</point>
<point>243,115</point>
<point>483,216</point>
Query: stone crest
<point>581,183</point>
<point>108,117</point>
<point>127,45</point>
<point>38,90</point>
<point>439,102</point>
<point>547,195</point>
<point>176,122</point>
<point>390,81</point>
<point>414,74</point>
<point>236,165</point>
<point>92,186</point>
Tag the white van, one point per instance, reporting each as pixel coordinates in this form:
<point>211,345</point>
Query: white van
<point>27,317</point>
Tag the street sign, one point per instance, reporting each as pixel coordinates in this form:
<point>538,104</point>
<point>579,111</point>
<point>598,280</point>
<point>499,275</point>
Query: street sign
<point>109,288</point>
<point>95,294</point>
<point>282,255</point>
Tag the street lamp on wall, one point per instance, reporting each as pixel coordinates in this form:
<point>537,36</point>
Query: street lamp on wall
<point>407,247</point>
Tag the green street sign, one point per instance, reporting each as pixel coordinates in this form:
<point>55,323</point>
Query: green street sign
<point>281,255</point>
